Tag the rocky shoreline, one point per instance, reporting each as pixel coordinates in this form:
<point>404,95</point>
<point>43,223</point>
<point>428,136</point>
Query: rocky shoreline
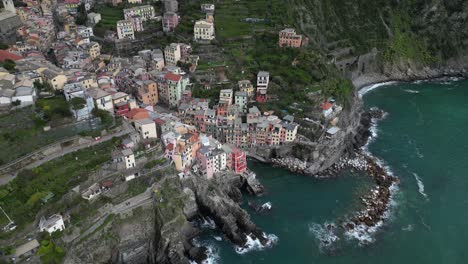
<point>376,202</point>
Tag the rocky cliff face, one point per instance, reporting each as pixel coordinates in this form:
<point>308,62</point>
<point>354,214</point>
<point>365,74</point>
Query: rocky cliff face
<point>411,39</point>
<point>163,230</point>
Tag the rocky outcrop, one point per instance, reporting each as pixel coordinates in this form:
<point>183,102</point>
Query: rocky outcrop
<point>216,200</point>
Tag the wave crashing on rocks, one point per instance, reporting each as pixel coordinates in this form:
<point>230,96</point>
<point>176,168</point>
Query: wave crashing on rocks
<point>254,243</point>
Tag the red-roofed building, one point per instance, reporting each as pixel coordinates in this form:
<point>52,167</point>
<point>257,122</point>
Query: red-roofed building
<point>137,114</point>
<point>5,55</point>
<point>122,108</point>
<point>172,77</point>
<point>327,108</point>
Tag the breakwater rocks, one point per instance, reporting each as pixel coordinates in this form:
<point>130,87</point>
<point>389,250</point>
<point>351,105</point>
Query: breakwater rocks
<point>293,164</point>
<point>377,201</point>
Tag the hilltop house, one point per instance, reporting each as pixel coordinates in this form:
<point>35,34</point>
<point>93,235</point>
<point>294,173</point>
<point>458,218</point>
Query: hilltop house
<point>51,224</point>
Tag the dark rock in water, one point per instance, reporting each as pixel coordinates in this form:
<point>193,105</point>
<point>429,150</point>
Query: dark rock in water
<point>255,206</point>
<point>198,254</point>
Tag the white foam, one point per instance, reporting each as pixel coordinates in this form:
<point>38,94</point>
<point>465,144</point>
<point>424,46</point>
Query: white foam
<point>369,88</point>
<point>420,185</point>
<point>212,254</point>
<point>207,222</point>
<point>408,228</point>
<point>253,243</point>
<point>411,91</point>
<point>326,236</point>
<point>267,206</point>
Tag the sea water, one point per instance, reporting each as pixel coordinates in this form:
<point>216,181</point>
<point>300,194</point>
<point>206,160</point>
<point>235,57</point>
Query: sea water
<point>424,141</point>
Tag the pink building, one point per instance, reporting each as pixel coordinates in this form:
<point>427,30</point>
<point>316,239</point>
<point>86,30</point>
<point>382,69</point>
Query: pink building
<point>289,38</point>
<point>170,21</point>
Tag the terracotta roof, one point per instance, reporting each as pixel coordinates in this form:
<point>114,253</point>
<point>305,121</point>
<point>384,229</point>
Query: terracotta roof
<point>170,147</point>
<point>172,77</point>
<point>326,105</point>
<point>5,55</point>
<point>159,121</point>
<point>137,113</point>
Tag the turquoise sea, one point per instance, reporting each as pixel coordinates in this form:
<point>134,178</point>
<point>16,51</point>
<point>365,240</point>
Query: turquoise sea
<point>422,140</point>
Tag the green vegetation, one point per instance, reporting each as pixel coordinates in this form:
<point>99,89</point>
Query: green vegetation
<point>3,46</point>
<point>9,65</point>
<point>231,15</point>
<point>49,252</point>
<point>81,15</point>
<point>170,200</point>
<point>53,109</point>
<point>21,131</point>
<point>20,198</point>
<point>77,103</point>
<point>106,117</point>
<point>154,163</point>
<point>110,15</point>
<point>137,186</point>
<point>405,44</point>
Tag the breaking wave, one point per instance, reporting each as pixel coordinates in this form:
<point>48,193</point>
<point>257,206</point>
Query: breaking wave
<point>411,91</point>
<point>207,222</point>
<point>254,243</point>
<point>420,185</point>
<point>369,88</point>
<point>267,206</point>
<point>325,234</point>
<point>212,254</point>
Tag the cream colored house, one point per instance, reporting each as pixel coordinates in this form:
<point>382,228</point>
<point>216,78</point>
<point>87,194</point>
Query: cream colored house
<point>203,31</point>
<point>55,79</point>
<point>125,29</point>
<point>172,54</point>
<point>146,127</point>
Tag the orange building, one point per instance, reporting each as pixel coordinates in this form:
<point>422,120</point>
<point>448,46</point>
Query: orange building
<point>148,93</point>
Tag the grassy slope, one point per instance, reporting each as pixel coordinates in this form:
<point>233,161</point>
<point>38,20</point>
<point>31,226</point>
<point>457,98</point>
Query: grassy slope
<point>21,197</point>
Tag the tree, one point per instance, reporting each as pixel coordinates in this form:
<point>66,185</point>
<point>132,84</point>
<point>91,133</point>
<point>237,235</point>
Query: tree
<point>106,117</point>
<point>9,65</point>
<point>3,46</point>
<point>77,103</point>
<point>16,103</point>
<point>81,15</point>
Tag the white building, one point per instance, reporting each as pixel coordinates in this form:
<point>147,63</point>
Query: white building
<point>208,8</point>
<point>125,29</point>
<point>263,79</point>
<point>93,191</point>
<point>203,31</point>
<point>241,100</point>
<point>146,127</point>
<point>84,32</point>
<point>146,12</point>
<point>102,99</point>
<point>128,158</point>
<point>76,90</point>
<point>52,224</point>
<point>94,18</point>
<point>225,96</point>
<point>172,54</point>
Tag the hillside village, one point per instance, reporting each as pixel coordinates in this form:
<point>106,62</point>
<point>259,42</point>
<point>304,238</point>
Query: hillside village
<point>142,112</point>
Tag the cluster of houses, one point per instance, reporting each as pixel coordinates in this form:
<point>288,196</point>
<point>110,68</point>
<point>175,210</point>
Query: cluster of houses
<point>134,21</point>
<point>38,30</point>
<point>18,89</point>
